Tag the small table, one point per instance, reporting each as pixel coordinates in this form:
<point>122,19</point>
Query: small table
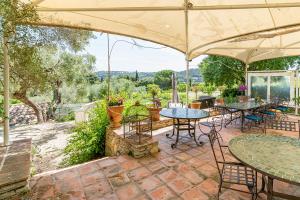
<point>242,107</point>
<point>276,157</point>
<point>178,114</point>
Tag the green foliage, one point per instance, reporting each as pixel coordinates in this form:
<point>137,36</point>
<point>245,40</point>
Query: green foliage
<point>122,87</point>
<point>136,76</point>
<point>153,90</point>
<point>221,70</point>
<point>283,63</point>
<point>14,101</point>
<point>231,92</point>
<point>88,140</point>
<point>207,88</point>
<point>40,64</point>
<point>145,81</point>
<point>65,118</point>
<point>163,79</point>
<point>297,100</point>
<point>196,88</point>
<point>115,100</point>
<point>230,99</point>
<point>181,87</point>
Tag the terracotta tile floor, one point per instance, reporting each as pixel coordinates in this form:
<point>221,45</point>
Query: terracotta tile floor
<point>187,173</point>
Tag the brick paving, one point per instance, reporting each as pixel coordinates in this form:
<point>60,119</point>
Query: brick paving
<point>188,172</point>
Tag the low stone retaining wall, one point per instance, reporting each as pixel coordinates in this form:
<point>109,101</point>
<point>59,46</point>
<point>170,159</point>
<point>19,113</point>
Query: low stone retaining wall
<point>15,161</point>
<point>116,144</point>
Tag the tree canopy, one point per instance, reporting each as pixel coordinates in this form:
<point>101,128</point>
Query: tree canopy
<point>41,57</point>
<point>221,70</point>
<point>163,78</point>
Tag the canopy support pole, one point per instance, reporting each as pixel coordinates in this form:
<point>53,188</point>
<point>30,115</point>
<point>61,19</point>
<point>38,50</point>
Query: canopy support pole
<point>6,90</point>
<point>108,67</point>
<point>187,81</point>
<point>186,14</point>
<point>246,76</point>
<point>297,91</point>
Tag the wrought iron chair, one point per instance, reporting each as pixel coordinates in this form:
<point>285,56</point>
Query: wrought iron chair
<point>281,105</point>
<point>257,117</point>
<point>283,126</point>
<point>232,172</point>
<point>269,113</point>
<point>137,121</point>
<point>215,123</point>
<point>175,105</point>
<point>233,113</point>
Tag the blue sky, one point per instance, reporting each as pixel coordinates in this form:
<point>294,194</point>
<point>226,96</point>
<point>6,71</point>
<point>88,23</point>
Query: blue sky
<point>126,57</point>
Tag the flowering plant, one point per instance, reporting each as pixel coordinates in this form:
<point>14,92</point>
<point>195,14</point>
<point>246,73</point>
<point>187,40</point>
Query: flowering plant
<point>243,88</point>
<point>115,101</point>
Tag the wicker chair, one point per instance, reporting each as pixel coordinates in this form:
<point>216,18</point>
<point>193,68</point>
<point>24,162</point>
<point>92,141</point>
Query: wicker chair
<point>232,172</point>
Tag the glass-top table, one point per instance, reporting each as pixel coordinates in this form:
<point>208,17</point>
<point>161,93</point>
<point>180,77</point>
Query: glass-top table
<point>182,118</point>
<point>276,157</point>
<point>242,107</point>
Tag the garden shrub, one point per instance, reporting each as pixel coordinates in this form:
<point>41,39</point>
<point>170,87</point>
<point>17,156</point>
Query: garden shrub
<point>231,92</point>
<point>65,118</point>
<point>88,140</point>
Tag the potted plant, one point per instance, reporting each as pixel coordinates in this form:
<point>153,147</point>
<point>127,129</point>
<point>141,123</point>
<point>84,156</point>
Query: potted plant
<point>242,91</point>
<point>115,109</point>
<point>155,107</point>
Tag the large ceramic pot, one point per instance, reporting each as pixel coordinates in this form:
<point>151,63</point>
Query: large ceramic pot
<point>196,105</point>
<point>154,112</point>
<point>243,99</point>
<point>115,115</point>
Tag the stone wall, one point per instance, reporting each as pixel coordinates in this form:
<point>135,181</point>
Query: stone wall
<point>116,144</point>
<point>15,162</point>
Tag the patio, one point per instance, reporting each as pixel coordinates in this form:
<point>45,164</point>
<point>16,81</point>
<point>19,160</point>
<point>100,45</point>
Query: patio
<point>186,172</point>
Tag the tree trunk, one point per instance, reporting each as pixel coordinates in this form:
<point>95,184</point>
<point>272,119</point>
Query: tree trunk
<point>37,110</point>
<point>57,93</point>
<point>57,99</point>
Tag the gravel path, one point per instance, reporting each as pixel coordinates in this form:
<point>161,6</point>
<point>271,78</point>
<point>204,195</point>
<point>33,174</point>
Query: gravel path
<point>48,139</point>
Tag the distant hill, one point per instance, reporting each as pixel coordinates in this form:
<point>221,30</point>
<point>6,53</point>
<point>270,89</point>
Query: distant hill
<point>194,74</point>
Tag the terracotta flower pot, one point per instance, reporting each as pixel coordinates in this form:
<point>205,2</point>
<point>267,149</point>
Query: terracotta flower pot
<point>196,105</point>
<point>243,99</point>
<point>115,115</point>
<point>154,113</point>
<point>220,101</point>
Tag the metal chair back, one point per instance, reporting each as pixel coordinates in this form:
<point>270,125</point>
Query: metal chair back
<point>137,120</point>
<point>283,126</point>
<point>215,144</point>
<point>175,105</point>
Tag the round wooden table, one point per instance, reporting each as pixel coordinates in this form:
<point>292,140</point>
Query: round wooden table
<point>276,157</point>
<point>182,118</point>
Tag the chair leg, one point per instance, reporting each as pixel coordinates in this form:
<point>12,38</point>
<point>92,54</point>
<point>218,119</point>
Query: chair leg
<point>220,188</point>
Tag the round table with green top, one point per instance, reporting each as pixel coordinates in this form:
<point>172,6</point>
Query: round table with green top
<point>275,157</point>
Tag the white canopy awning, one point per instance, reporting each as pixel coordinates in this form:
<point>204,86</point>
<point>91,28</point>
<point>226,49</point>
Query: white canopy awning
<point>246,30</point>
